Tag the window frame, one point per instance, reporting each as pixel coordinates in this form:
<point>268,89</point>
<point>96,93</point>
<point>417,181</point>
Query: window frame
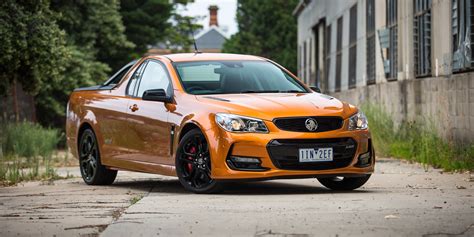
<point>143,66</point>
<point>339,29</point>
<point>461,16</point>
<point>370,43</point>
<point>392,26</point>
<point>352,47</point>
<point>284,70</point>
<point>125,69</point>
<point>422,46</point>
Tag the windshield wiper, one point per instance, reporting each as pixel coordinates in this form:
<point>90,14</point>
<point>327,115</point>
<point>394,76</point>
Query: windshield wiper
<point>272,91</point>
<point>263,91</point>
<point>292,91</point>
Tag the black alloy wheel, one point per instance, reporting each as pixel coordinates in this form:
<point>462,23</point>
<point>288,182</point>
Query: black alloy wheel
<point>193,164</point>
<point>344,183</point>
<point>92,171</point>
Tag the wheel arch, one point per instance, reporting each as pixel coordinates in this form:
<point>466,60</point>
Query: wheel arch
<point>82,128</point>
<point>186,128</point>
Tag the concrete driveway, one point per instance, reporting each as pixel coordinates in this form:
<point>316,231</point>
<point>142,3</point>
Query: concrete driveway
<point>401,199</point>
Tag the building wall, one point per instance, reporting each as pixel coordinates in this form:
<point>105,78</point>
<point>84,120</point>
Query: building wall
<point>444,97</point>
<point>448,102</point>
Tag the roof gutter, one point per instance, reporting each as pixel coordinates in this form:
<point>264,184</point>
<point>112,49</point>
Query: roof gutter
<point>300,7</point>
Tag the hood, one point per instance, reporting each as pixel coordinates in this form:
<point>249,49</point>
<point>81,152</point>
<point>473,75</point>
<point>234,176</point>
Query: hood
<point>268,106</point>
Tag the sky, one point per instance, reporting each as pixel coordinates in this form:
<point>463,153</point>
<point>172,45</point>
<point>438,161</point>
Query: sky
<point>225,15</point>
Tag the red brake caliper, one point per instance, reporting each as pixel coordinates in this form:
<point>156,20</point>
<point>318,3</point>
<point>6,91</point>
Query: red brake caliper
<point>192,151</point>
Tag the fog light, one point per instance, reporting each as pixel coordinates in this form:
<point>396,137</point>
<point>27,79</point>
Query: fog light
<point>364,159</point>
<point>245,163</point>
<point>245,159</point>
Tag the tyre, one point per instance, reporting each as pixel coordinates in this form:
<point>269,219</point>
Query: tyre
<point>193,164</point>
<point>344,183</point>
<point>92,170</point>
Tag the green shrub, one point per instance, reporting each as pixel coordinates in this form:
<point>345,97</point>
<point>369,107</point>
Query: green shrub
<point>417,141</point>
<point>28,140</point>
<point>26,152</point>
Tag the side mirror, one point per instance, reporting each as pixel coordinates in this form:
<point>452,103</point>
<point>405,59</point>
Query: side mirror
<point>157,95</point>
<point>315,89</point>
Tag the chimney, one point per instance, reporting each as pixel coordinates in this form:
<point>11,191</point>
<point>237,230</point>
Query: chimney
<point>213,15</point>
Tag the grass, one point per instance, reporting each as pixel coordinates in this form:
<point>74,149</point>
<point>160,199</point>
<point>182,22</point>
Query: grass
<point>416,141</point>
<point>26,152</point>
<point>135,199</point>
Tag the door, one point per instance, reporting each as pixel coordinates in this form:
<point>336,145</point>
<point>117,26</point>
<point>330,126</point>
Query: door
<point>111,112</point>
<point>148,120</point>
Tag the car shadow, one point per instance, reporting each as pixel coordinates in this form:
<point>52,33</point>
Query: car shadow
<point>278,188</point>
<point>273,187</point>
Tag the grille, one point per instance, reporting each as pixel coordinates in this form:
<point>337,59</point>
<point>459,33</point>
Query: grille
<point>297,124</point>
<point>284,153</point>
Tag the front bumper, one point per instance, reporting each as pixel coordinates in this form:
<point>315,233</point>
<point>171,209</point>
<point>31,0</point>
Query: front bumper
<point>276,151</point>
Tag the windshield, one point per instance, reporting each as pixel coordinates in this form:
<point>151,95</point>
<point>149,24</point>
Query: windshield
<point>231,77</point>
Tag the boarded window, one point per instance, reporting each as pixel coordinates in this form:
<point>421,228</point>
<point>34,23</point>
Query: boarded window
<point>353,47</point>
<point>338,54</point>
<point>422,37</point>
<point>370,51</point>
<point>392,26</point>
<point>462,34</point>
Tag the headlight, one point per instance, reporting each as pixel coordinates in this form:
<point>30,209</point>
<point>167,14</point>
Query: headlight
<point>235,123</point>
<point>358,121</point>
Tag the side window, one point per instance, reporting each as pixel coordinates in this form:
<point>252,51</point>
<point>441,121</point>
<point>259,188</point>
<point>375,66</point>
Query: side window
<point>117,77</point>
<point>134,79</point>
<point>154,77</point>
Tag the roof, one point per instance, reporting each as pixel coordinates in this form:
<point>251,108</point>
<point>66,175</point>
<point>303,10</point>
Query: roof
<point>211,38</point>
<point>184,57</point>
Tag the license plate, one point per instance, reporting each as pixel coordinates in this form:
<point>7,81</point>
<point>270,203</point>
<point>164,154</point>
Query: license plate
<point>315,154</point>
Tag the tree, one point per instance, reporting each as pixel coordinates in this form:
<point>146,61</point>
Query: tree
<point>148,22</point>
<point>266,28</point>
<point>53,46</point>
<point>94,33</point>
<point>32,45</point>
<point>179,37</point>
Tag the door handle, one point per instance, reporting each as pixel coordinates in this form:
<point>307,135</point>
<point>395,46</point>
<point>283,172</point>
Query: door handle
<point>133,108</point>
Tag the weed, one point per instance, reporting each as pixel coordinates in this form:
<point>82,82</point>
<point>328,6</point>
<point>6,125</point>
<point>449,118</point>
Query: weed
<point>135,199</point>
<point>416,141</point>
<point>26,152</point>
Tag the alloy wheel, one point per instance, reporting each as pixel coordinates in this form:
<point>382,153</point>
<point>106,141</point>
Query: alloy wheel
<point>194,162</point>
<point>88,156</point>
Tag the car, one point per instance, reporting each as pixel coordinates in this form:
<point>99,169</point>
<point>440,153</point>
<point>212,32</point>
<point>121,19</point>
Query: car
<point>208,118</point>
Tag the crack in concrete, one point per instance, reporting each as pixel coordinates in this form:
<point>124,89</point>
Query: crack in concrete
<point>450,234</point>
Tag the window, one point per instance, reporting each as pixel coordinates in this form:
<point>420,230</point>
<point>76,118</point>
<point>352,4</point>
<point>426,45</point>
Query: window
<point>131,87</point>
<point>353,47</point>
<point>299,62</point>
<point>422,37</point>
<point>338,54</point>
<point>328,57</point>
<point>154,77</point>
<point>117,77</point>
<point>311,79</point>
<point>462,34</point>
<point>370,50</point>
<point>392,25</point>
<point>236,77</point>
<point>305,76</point>
<point>199,72</point>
